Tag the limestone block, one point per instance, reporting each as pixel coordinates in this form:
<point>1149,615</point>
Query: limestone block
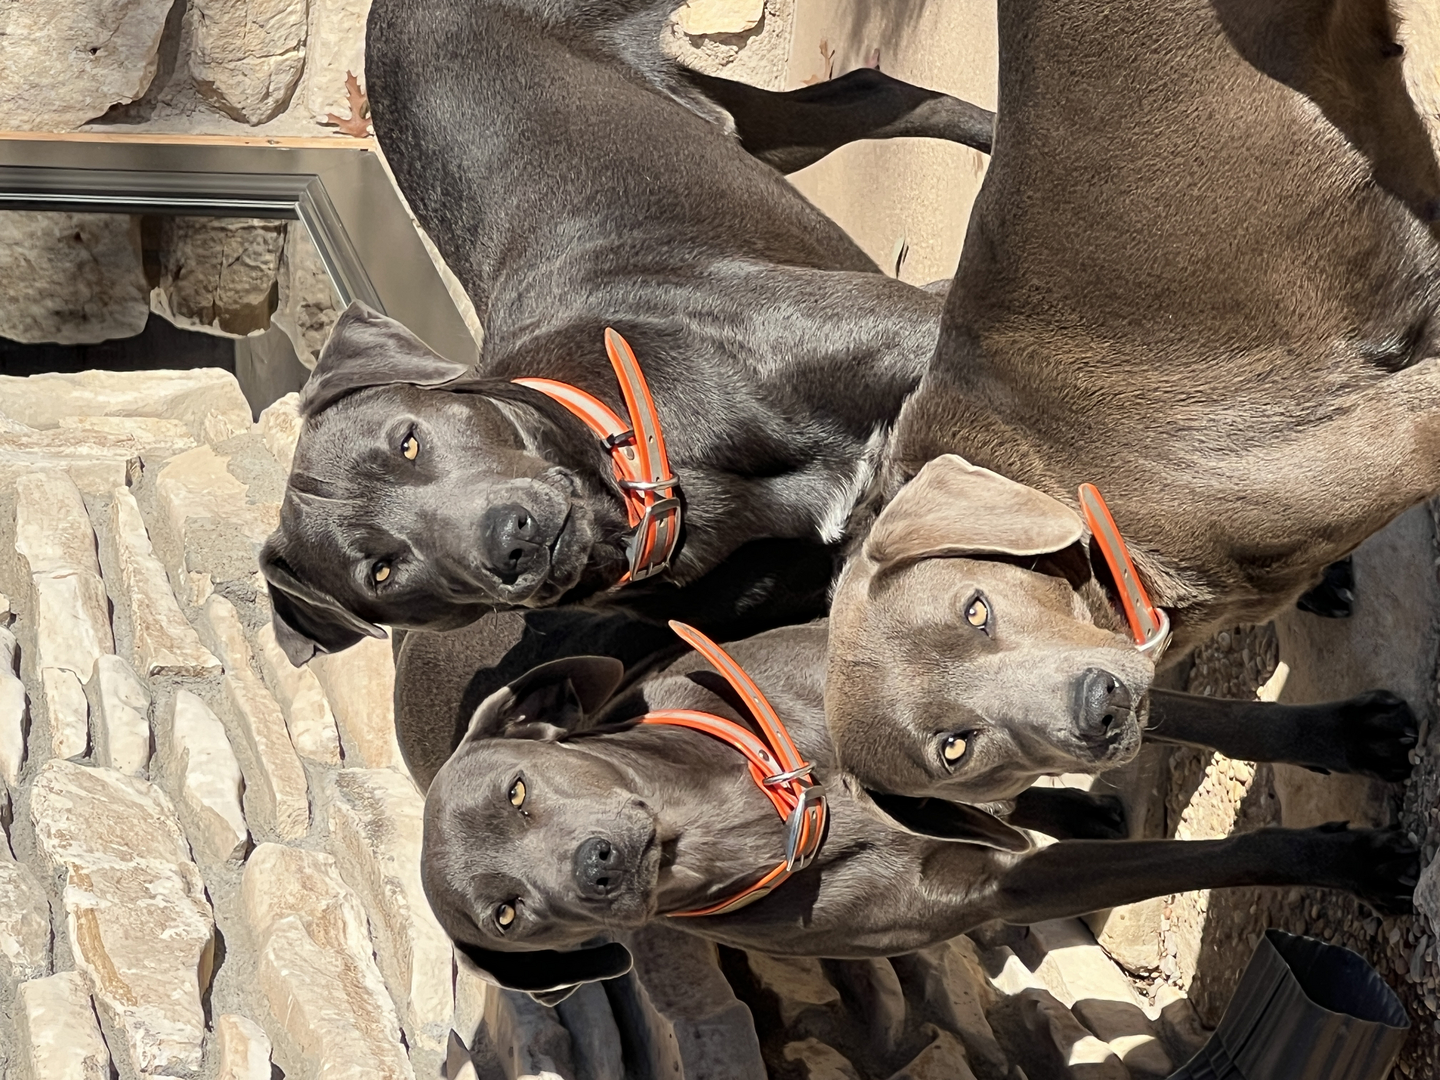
<point>204,780</point>
<point>244,1049</point>
<point>528,1037</point>
<point>1131,934</point>
<point>71,627</point>
<point>1144,1056</point>
<point>66,711</point>
<point>700,17</point>
<point>1061,1041</point>
<point>130,884</point>
<point>1085,980</point>
<point>52,529</point>
<point>279,426</point>
<point>820,1062</point>
<point>943,1059</point>
<point>102,436</point>
<point>1013,976</point>
<point>12,711</point>
<point>1180,1023</point>
<point>24,927</point>
<point>333,48</point>
<point>376,819</point>
<point>1427,894</point>
<point>1074,968</point>
<point>189,396</point>
<point>360,685</point>
<point>165,643</point>
<point>210,517</point>
<point>302,699</point>
<point>56,1034</point>
<point>247,58</point>
<point>55,540</point>
<point>220,273</point>
<point>693,1022</point>
<point>120,725</point>
<point>329,1014</point>
<point>68,278</point>
<point>94,474</point>
<point>758,54</point>
<point>275,784</point>
<point>798,983</point>
<point>952,980</point>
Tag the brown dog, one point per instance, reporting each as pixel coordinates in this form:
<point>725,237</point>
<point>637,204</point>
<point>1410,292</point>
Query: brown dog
<point>1203,275</point>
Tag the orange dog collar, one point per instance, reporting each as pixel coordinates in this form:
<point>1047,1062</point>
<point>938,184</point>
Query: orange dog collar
<point>1149,624</point>
<point>775,765</point>
<point>637,451</point>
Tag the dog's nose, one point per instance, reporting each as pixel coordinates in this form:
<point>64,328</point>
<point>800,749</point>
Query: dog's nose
<point>1102,701</point>
<point>512,541</point>
<point>599,868</point>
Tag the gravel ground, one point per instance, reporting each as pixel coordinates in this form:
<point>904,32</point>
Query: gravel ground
<point>1208,937</point>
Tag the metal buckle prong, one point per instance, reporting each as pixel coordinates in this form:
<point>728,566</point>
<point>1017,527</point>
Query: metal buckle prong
<point>649,485</point>
<point>795,859</point>
<point>786,777</point>
<point>1154,646</point>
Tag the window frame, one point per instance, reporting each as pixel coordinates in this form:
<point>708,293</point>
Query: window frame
<point>343,196</point>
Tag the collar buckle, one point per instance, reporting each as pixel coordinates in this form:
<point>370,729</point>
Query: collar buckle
<point>652,541</point>
<point>637,453</point>
<point>1158,640</point>
<point>799,828</point>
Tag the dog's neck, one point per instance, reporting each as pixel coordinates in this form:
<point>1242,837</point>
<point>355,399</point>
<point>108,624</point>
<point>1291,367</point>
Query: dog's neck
<point>717,830</point>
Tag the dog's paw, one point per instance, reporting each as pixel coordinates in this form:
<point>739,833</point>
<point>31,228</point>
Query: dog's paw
<point>1380,866</point>
<point>1377,730</point>
<point>1334,597</point>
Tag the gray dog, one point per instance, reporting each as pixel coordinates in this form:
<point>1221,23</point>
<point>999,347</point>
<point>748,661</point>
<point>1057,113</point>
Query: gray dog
<point>1202,275</point>
<point>561,821</point>
<point>576,179</point>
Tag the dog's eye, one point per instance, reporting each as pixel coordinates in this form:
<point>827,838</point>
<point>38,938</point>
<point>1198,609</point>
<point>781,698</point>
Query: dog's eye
<point>505,915</point>
<point>977,612</point>
<point>517,794</point>
<point>410,447</point>
<point>380,572</point>
<point>953,748</point>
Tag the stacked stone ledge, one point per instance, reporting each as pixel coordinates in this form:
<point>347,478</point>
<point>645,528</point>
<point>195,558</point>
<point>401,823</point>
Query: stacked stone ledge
<point>146,754</point>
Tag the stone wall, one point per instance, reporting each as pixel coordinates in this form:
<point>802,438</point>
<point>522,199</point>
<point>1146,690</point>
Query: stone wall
<point>194,66</point>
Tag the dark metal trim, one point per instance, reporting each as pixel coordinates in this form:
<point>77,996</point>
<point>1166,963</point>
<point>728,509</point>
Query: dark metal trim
<point>293,196</point>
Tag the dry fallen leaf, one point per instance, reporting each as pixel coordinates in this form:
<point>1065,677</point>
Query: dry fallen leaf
<point>358,122</point>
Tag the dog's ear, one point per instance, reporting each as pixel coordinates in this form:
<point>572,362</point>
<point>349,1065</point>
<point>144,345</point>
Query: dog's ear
<point>307,620</point>
<point>549,701</point>
<point>940,819</point>
<point>369,349</point>
<point>953,508</point>
<point>547,976</point>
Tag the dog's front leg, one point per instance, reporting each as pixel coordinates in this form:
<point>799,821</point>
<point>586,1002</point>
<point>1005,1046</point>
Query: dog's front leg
<point>1371,734</point>
<point>799,127</point>
<point>1076,876</point>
